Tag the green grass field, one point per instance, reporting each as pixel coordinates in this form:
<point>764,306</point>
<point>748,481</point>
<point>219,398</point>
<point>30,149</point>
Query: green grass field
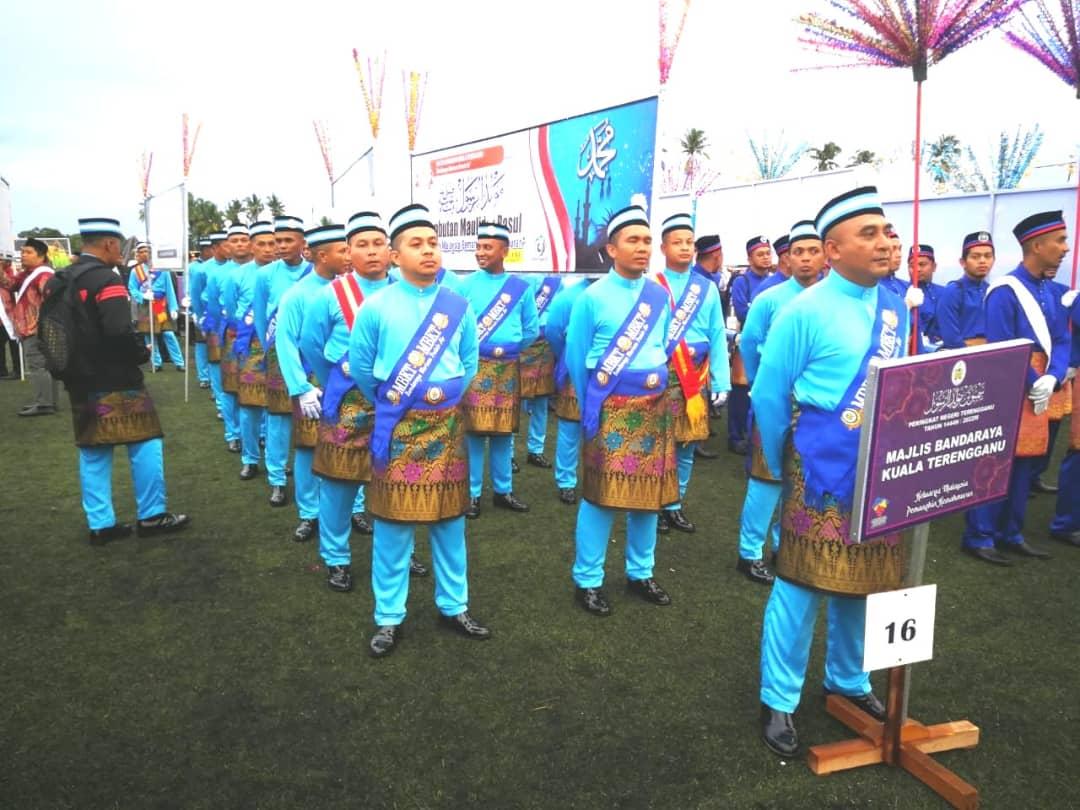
<point>213,669</point>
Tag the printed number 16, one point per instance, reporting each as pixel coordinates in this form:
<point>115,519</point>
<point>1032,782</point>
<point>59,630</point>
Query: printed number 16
<point>907,631</point>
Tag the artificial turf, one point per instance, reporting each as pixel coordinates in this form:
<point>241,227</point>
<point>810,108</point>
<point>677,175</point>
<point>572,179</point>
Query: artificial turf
<point>213,669</point>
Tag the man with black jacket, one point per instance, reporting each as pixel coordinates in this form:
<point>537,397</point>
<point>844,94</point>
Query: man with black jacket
<point>109,403</point>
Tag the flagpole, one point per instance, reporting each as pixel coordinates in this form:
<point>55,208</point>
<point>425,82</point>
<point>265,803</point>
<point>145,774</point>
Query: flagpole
<point>187,295</point>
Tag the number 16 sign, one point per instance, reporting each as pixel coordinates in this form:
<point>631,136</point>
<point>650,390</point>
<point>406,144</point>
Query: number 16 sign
<point>899,627</point>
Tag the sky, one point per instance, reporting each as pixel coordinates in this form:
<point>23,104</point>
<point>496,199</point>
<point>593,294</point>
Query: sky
<point>87,88</point>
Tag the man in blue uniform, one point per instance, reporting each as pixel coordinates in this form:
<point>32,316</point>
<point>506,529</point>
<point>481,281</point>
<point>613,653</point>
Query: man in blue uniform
<point>110,405</point>
<point>961,317</point>
<point>782,248</point>
<point>892,282</point>
<point>697,346</point>
<point>807,260</point>
<point>210,323</point>
<point>807,392</point>
<point>743,288</point>
<point>1060,403</point>
<point>537,365</point>
<point>240,249</point>
<point>1066,524</point>
<point>616,352</point>
<point>155,294</point>
<point>1023,304</point>
<point>923,265</point>
<point>193,300</point>
<point>506,324</point>
<point>567,409</point>
<point>413,352</point>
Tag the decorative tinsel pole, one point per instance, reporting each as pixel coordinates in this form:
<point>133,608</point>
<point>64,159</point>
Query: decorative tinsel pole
<point>415,84</point>
<point>371,74</point>
<point>910,34</point>
<point>189,147</point>
<point>323,137</point>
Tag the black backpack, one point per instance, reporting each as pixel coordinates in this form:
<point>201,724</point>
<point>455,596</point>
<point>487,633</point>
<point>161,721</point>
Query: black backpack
<point>65,334</point>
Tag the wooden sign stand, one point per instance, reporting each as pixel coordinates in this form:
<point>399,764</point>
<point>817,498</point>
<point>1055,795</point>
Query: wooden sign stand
<point>900,741</point>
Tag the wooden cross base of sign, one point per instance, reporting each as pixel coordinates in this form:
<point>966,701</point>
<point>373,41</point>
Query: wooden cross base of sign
<point>898,741</point>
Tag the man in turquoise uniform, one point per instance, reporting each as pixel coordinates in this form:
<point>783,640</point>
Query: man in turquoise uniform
<point>210,324</point>
<point>616,352</point>
<point>567,410</point>
<point>807,394</point>
<point>537,365</point>
<point>193,300</point>
<point>413,352</point>
<point>240,249</point>
<point>153,291</point>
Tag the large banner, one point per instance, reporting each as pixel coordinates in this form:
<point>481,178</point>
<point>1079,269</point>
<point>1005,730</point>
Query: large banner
<point>166,228</point>
<point>940,435</point>
<point>554,186</point>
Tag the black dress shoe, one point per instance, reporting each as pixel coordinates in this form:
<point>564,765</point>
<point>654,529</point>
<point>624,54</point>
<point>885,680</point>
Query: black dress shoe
<point>99,537</point>
<point>164,523</point>
<point>233,446</point>
<point>738,448</point>
<point>869,703</point>
<point>663,524</point>
<point>678,520</point>
<point>288,472</point>
<point>473,512</point>
<point>220,418</point>
<point>339,578</point>
<point>417,568</point>
<point>755,571</point>
<point>1072,538</point>
<point>180,369</point>
<point>509,501</point>
<point>778,732</point>
<point>278,497</point>
<point>37,410</point>
<point>248,471</point>
<point>360,524</point>
<point>306,530</point>
<point>204,384</point>
<point>538,460</point>
<point>594,601</point>
<point>262,443</point>
<point>649,590</point>
<point>466,625</point>
<point>1043,488</point>
<point>568,495</point>
<point>701,452</point>
<point>514,468</point>
<point>1025,549</point>
<point>989,555</point>
<point>385,640</point>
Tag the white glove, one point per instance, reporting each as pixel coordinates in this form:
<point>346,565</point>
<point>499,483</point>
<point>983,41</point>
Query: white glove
<point>148,295</point>
<point>719,398</point>
<point>310,404</point>
<point>738,338</point>
<point>174,314</point>
<point>1068,298</point>
<point>914,297</point>
<point>732,323</point>
<point>1070,373</point>
<point>185,302</point>
<point>1040,392</point>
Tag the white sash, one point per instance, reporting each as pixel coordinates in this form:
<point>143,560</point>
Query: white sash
<point>1031,310</point>
<point>30,279</point>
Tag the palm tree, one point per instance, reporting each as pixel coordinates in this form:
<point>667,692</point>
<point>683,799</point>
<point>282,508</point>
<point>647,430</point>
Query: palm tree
<point>863,156</point>
<point>275,206</point>
<point>203,217</point>
<point>826,157</point>
<point>233,210</point>
<point>693,143</point>
<point>253,207</point>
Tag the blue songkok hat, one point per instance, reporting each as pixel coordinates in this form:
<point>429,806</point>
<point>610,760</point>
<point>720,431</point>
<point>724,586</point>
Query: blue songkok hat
<point>411,216</point>
<point>492,230</point>
<point>754,242</point>
<point>238,229</point>
<point>631,215</point>
<point>854,203</point>
<point>977,239</point>
<point>100,226</point>
<point>324,235</point>
<point>1038,224</point>
<point>924,250</point>
<point>218,236</point>
<point>286,223</point>
<point>261,227</point>
<point>364,221</point>
<point>707,244</point>
<point>676,222</point>
<point>782,244</point>
<point>803,229</point>
<point>205,242</point>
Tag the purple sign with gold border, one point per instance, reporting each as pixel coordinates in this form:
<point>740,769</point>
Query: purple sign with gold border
<point>940,435</point>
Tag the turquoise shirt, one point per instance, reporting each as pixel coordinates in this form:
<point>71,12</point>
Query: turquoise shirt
<point>216,273</point>
<point>763,311</point>
<point>272,282</point>
<point>450,278</point>
<point>520,325</point>
<point>597,315</point>
<point>815,349</point>
<point>384,330</point>
<point>290,323</point>
<point>324,337</point>
<point>160,281</point>
<point>230,284</point>
<point>196,285</point>
<point>536,280</point>
<point>245,289</point>
<point>558,313</point>
<point>706,327</point>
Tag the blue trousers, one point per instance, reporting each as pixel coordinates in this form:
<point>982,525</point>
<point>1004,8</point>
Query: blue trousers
<point>1042,463</point>
<point>360,501</point>
<point>1067,516</point>
<point>684,454</point>
<point>176,357</point>
<point>278,436</point>
<point>202,365</point>
<point>230,412</point>
<point>591,542</point>
<point>336,500</point>
<point>758,516</point>
<point>250,422</point>
<point>738,406</point>
<point>95,479</point>
<point>214,370</point>
<point>790,615</point>
<point>567,450</point>
<point>502,453</point>
<point>391,551</point>
<point>306,484</point>
<point>538,419</point>
<point>1002,521</point>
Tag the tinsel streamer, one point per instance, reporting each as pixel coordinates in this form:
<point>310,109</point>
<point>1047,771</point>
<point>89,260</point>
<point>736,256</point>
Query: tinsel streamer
<point>189,147</point>
<point>372,74</point>
<point>415,84</point>
<point>323,138</point>
<point>776,160</point>
<point>668,45</point>
<point>146,162</point>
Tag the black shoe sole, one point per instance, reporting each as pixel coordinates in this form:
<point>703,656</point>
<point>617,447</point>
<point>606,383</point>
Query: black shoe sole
<point>780,753</point>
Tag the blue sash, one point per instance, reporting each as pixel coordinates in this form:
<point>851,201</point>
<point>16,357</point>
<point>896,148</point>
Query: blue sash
<point>828,441</point>
<point>495,313</point>
<point>686,309</point>
<point>271,323</point>
<point>547,292</point>
<point>245,331</point>
<point>338,384</point>
<point>408,381</point>
<point>632,334</point>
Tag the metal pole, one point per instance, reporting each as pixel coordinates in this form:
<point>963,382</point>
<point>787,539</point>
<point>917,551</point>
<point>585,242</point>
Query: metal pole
<point>150,303</point>
<point>187,295</point>
<point>22,363</point>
